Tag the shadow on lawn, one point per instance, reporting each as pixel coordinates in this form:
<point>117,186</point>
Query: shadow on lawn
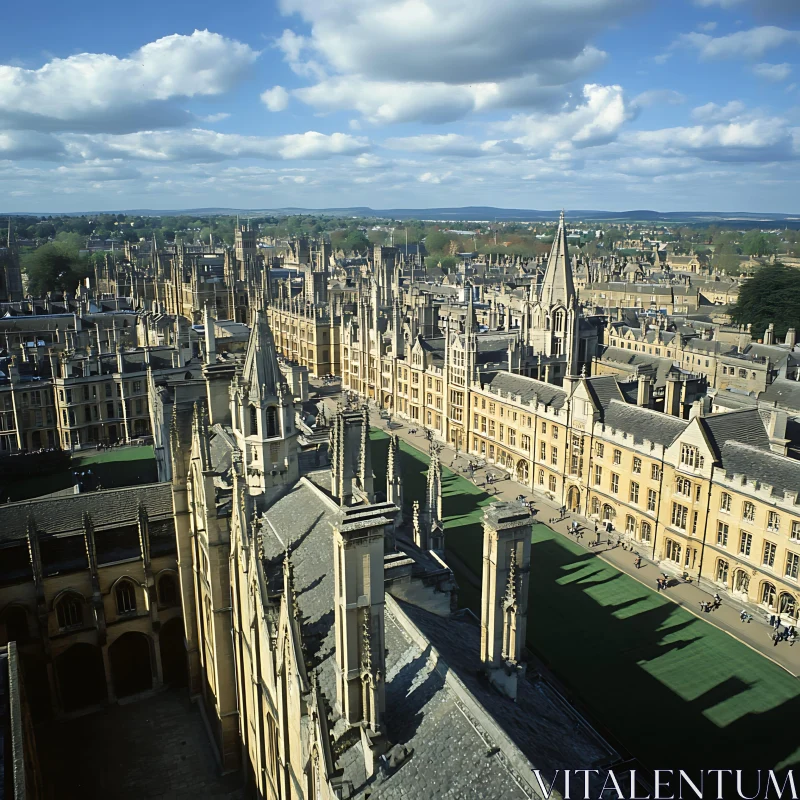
<point>675,691</point>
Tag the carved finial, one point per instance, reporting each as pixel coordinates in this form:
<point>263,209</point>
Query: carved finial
<point>366,642</point>
<point>510,597</point>
<point>416,520</point>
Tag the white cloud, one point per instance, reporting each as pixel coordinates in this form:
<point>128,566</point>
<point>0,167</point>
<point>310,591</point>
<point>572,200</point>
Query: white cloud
<point>707,27</point>
<point>744,140</point>
<point>711,112</point>
<point>596,121</point>
<point>276,98</point>
<point>404,60</point>
<point>773,72</point>
<point>658,97</point>
<point>95,92</point>
<point>753,43</point>
<point>216,117</point>
<point>206,146</point>
<point>436,178</point>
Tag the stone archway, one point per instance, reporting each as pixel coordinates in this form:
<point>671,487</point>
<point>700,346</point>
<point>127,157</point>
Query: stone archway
<point>574,499</point>
<point>522,471</point>
<point>81,676</point>
<point>174,665</point>
<point>131,664</point>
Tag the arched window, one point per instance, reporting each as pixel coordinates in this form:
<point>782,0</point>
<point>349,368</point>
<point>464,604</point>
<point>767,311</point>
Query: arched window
<point>722,571</point>
<point>787,604</point>
<point>272,422</point>
<point>741,581</point>
<point>69,612</point>
<point>595,506</point>
<point>630,525</point>
<point>167,591</point>
<point>646,531</point>
<point>608,513</point>
<point>559,322</point>
<point>768,594</point>
<point>125,594</point>
<point>673,551</point>
<point>253,421</point>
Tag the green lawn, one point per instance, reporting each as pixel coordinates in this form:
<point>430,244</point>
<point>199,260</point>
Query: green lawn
<point>673,689</point>
<point>124,466</point>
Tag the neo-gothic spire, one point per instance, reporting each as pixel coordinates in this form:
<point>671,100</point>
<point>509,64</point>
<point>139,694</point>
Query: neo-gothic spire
<point>261,369</point>
<point>558,287</point>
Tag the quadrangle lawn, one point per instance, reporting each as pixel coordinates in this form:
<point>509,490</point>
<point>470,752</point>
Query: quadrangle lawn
<point>674,690</point>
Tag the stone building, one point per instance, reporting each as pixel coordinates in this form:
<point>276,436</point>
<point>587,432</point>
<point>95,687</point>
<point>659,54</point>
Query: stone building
<point>321,638</point>
<point>89,592</point>
<point>715,496</point>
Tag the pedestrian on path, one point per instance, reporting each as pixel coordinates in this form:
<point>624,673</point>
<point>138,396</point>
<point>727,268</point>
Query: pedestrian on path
<point>775,638</point>
<point>637,562</point>
<point>658,584</point>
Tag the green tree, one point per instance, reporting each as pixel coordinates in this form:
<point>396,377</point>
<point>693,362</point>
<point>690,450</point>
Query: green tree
<point>356,242</point>
<point>436,242</point>
<point>771,295</point>
<point>756,243</point>
<point>54,267</point>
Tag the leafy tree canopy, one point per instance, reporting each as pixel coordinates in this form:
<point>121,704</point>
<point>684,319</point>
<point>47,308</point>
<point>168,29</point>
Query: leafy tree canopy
<point>54,266</point>
<point>771,295</point>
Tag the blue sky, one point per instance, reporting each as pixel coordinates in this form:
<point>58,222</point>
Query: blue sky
<point>605,104</point>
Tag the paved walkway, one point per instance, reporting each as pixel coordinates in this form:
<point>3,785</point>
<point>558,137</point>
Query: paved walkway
<point>153,748</point>
<point>755,634</point>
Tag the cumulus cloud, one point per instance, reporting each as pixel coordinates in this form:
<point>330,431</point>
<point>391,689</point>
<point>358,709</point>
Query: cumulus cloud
<point>403,60</point>
<point>745,140</point>
<point>95,92</point>
<point>595,121</point>
<point>753,43</point>
<point>276,98</point>
<point>206,146</point>
<point>712,112</point>
<point>774,73</point>
<point>215,117</point>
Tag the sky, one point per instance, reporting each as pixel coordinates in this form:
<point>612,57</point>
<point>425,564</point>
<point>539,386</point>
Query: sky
<point>671,105</point>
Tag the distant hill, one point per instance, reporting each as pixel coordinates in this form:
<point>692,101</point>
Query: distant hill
<point>463,213</point>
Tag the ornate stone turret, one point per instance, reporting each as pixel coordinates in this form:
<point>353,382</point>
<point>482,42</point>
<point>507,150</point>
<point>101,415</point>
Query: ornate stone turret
<point>434,504</point>
<point>504,598</point>
<point>351,458</point>
<point>394,483</point>
<point>262,410</point>
<point>359,599</point>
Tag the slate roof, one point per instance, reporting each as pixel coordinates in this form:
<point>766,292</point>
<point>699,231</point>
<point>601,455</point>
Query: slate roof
<point>604,389</point>
<point>643,423</point>
<point>655,366</point>
<point>547,393</point>
<point>783,393</point>
<point>64,515</point>
<point>744,426</point>
<point>780,472</point>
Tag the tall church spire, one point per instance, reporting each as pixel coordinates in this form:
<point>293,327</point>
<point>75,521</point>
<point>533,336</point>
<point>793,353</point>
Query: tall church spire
<point>558,287</point>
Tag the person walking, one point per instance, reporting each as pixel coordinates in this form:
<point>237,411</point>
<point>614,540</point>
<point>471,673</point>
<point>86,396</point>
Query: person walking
<point>658,584</point>
<point>638,562</point>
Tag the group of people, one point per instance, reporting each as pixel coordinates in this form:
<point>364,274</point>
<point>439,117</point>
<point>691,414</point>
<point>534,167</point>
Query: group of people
<point>788,634</point>
<point>711,605</point>
<point>663,582</point>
